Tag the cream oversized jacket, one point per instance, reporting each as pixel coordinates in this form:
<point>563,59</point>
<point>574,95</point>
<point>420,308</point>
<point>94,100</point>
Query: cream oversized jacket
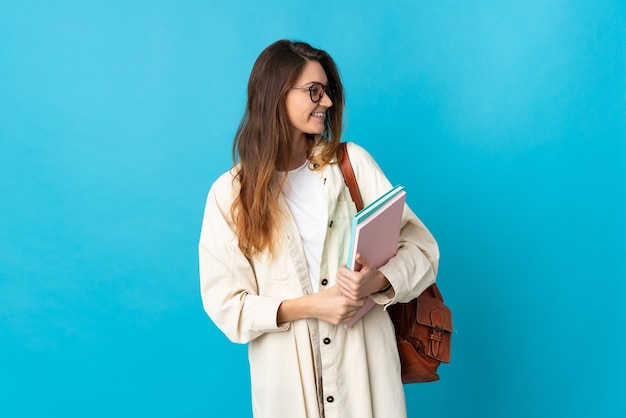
<point>310,368</point>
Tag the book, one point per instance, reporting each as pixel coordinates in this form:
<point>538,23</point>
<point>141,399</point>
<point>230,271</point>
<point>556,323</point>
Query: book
<point>375,234</point>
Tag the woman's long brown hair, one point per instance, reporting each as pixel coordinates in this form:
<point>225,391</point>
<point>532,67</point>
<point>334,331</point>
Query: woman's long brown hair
<point>263,143</point>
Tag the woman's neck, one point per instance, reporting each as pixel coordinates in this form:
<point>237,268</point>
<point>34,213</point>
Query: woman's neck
<point>299,152</point>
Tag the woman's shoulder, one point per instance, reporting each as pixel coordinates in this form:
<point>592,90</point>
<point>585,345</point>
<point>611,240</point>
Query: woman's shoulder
<point>359,156</point>
<point>226,186</point>
<point>371,179</point>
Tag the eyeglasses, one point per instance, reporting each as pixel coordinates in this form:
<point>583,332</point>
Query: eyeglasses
<point>317,90</point>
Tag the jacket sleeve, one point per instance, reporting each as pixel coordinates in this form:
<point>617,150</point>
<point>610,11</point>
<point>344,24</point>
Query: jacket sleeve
<point>227,281</point>
<point>414,267</point>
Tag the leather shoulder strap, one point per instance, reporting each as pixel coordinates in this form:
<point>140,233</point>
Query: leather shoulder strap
<point>350,178</point>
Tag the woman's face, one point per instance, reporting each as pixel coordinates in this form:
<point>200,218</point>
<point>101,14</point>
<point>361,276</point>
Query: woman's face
<point>305,116</point>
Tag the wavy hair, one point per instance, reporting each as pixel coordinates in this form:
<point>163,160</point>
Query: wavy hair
<point>263,143</point>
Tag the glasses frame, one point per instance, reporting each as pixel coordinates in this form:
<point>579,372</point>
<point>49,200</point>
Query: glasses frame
<point>328,90</point>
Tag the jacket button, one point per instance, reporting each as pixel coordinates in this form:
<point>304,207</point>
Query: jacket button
<point>324,282</point>
<point>326,340</point>
<point>330,399</point>
<point>330,224</point>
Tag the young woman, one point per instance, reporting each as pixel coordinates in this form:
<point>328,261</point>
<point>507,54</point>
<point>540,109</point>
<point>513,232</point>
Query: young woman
<point>273,248</point>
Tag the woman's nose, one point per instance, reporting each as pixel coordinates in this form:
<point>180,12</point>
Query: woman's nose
<point>326,100</point>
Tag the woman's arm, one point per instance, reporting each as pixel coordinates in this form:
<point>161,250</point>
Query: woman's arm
<point>414,267</point>
<point>329,305</point>
<point>228,286</point>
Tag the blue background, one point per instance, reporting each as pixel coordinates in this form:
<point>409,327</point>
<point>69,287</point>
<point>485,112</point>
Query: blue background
<point>504,120</point>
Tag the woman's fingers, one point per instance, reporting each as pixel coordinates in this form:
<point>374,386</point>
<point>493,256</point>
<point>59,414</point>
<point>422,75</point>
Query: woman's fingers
<point>364,262</point>
<point>336,307</point>
<point>358,284</point>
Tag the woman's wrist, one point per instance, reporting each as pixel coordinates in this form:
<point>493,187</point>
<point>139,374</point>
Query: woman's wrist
<point>293,310</point>
<point>386,285</point>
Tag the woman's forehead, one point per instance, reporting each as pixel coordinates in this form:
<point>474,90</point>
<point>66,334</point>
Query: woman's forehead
<point>311,73</point>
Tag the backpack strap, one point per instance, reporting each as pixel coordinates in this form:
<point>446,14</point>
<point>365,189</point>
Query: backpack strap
<point>350,178</point>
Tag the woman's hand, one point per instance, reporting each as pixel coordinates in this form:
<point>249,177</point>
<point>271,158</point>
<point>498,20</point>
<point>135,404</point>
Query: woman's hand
<point>339,303</point>
<point>359,284</point>
<point>328,305</point>
<point>332,306</point>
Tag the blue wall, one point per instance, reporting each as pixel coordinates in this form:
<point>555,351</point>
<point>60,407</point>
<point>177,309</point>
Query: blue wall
<point>506,122</point>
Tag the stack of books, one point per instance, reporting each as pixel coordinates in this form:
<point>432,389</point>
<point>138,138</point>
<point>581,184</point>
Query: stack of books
<point>375,235</point>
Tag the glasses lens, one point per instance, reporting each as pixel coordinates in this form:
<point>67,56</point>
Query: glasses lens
<point>317,91</point>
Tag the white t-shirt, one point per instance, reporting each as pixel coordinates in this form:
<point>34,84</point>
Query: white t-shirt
<point>307,201</point>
